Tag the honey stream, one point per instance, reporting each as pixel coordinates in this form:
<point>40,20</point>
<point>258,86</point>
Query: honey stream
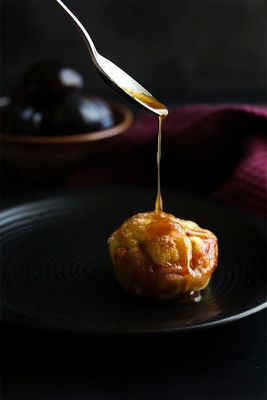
<point>162,111</point>
<point>159,202</point>
<point>194,296</point>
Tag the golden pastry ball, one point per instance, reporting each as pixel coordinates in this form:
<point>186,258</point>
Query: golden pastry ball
<point>157,255</point>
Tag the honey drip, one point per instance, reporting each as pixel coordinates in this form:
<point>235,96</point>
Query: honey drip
<point>190,298</point>
<point>159,202</point>
<point>154,105</point>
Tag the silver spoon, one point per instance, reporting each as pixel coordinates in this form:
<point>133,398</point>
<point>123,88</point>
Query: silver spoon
<point>115,76</point>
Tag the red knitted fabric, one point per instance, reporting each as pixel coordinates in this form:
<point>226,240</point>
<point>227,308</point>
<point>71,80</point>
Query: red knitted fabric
<point>215,149</point>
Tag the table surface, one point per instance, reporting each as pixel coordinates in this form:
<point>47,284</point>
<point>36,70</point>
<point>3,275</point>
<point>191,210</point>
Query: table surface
<point>225,362</point>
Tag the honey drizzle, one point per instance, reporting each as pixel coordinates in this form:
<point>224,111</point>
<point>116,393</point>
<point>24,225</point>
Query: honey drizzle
<point>159,202</point>
<point>150,102</point>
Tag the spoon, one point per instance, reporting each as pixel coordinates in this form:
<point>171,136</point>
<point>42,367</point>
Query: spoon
<point>115,76</point>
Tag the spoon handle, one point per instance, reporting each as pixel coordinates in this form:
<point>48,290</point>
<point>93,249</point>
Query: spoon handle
<point>81,29</point>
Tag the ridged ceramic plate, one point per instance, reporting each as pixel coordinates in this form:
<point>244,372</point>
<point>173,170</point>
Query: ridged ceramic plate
<point>57,275</point>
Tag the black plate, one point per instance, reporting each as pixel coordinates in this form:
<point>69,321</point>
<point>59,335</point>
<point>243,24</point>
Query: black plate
<point>56,272</point>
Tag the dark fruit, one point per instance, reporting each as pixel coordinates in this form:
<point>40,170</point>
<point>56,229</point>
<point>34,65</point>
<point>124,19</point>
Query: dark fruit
<point>47,84</point>
<point>49,101</point>
<point>22,120</point>
<point>82,114</point>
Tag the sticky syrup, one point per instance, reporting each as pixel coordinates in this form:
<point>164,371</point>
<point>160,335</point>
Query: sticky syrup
<point>193,296</point>
<point>159,202</point>
<point>189,298</point>
<point>148,101</point>
<point>162,111</point>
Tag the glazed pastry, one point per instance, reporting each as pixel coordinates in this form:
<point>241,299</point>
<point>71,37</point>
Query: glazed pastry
<point>157,255</point>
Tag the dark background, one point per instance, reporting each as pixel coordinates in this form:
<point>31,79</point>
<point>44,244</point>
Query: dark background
<point>181,51</point>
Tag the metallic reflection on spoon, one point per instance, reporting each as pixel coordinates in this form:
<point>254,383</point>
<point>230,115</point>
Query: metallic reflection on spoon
<point>115,76</point>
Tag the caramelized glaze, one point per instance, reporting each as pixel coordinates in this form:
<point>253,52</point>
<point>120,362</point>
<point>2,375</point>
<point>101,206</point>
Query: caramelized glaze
<point>158,255</point>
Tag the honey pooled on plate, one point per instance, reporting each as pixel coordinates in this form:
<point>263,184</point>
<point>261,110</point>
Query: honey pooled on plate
<point>157,255</point>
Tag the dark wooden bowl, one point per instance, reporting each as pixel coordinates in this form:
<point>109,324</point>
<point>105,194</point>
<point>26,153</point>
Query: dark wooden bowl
<point>45,157</point>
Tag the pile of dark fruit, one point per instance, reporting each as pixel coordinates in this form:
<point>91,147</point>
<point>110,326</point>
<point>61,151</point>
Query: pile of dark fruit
<point>49,100</point>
